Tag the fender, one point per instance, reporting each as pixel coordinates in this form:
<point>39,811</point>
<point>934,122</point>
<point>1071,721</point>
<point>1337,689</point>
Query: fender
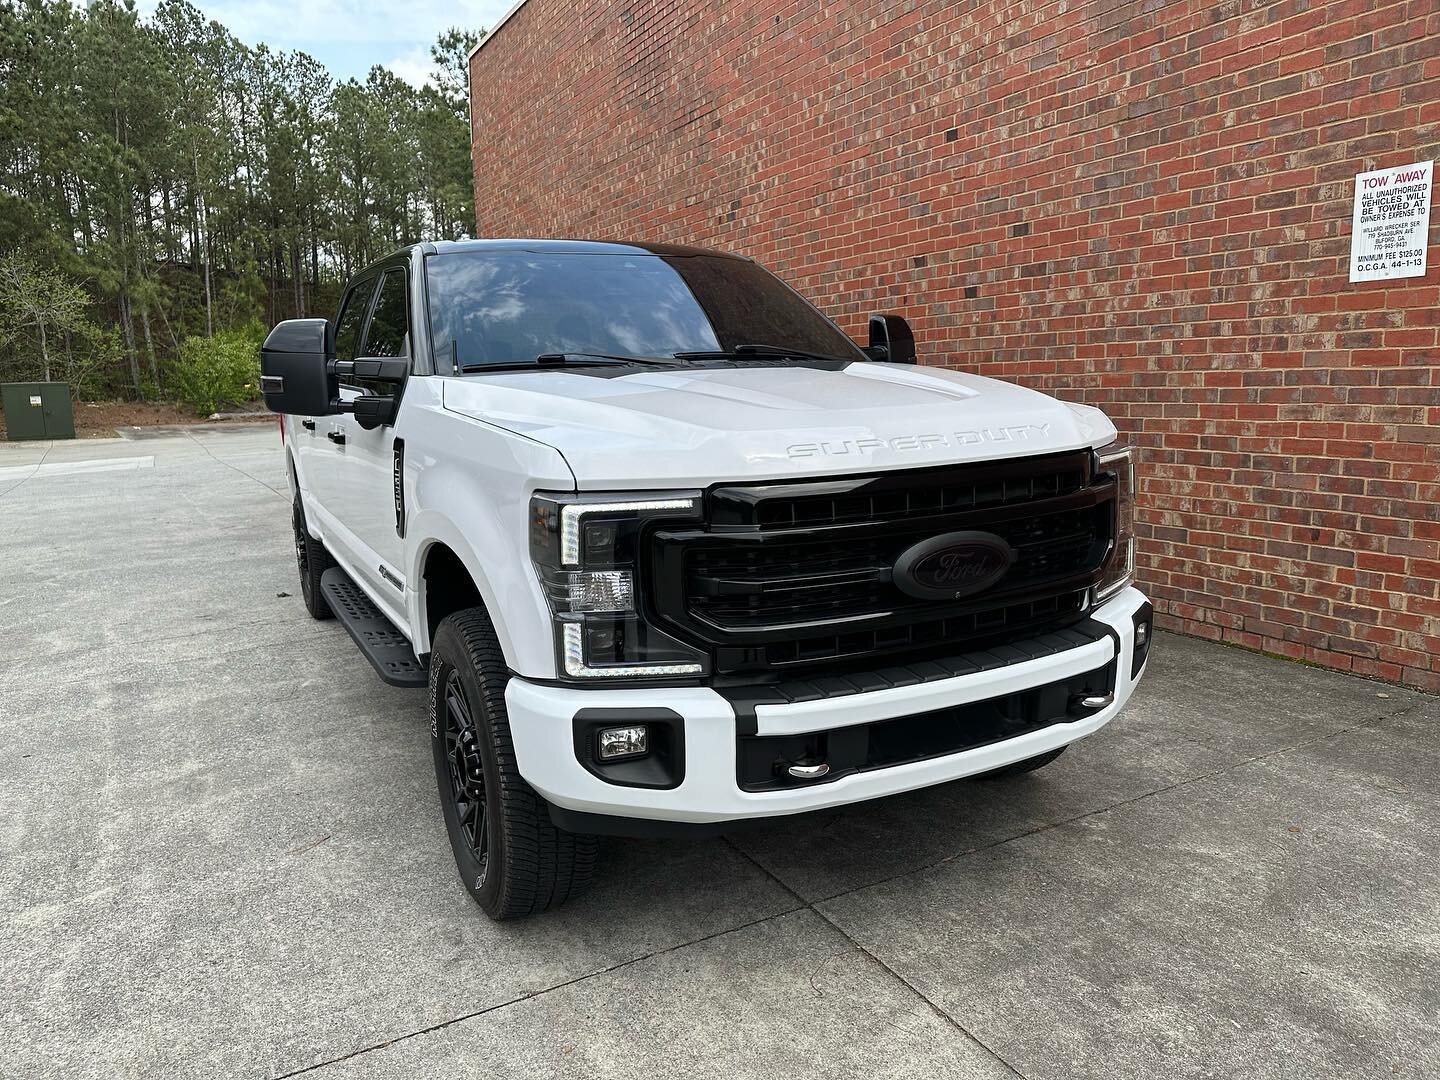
<point>521,627</point>
<point>468,487</point>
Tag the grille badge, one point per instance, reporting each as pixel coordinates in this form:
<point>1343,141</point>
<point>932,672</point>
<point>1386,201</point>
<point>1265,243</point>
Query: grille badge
<point>953,565</point>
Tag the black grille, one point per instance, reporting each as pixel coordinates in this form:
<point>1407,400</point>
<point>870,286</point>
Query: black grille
<point>820,577</point>
<point>950,492</point>
<point>789,574</point>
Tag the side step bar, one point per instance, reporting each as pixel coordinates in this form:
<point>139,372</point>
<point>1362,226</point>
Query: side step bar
<point>386,648</point>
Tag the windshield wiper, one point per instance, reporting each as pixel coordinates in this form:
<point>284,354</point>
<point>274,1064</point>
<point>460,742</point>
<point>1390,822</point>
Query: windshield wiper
<point>551,361</point>
<point>747,352</point>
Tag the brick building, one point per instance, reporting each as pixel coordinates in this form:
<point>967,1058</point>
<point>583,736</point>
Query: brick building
<point>1145,207</point>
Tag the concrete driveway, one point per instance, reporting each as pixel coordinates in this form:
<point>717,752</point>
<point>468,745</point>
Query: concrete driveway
<point>221,855</point>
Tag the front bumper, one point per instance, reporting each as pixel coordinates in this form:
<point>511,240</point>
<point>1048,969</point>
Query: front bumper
<point>542,727</point>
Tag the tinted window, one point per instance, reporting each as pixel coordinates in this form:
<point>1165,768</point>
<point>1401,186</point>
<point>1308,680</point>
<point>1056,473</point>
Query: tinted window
<point>388,324</point>
<point>512,306</point>
<point>352,317</point>
<point>748,305</point>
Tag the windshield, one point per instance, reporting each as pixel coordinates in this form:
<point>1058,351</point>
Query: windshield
<point>508,307</point>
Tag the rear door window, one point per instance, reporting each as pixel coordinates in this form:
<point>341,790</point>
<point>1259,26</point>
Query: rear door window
<point>352,318</point>
<point>387,333</point>
<point>389,325</point>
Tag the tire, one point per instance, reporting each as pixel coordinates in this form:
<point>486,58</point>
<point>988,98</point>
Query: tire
<point>313,559</point>
<point>512,859</point>
<point>1017,768</point>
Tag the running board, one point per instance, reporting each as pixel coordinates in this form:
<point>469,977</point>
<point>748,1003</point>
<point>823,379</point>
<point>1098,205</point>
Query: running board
<point>387,649</point>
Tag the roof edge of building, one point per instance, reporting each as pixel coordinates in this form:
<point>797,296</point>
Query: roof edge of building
<point>493,31</point>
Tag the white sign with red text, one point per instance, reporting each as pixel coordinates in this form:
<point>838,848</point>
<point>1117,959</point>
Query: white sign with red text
<point>1392,223</point>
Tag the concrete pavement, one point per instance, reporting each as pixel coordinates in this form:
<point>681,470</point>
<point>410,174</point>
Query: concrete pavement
<point>221,855</point>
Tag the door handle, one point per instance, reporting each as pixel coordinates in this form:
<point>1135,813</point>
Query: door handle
<point>308,425</point>
<point>337,437</point>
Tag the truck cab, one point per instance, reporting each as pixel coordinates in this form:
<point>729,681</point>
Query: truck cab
<point>669,552</point>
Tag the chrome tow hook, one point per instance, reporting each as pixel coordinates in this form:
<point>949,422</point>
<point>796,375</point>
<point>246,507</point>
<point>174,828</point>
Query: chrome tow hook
<point>1095,702</point>
<point>808,772</point>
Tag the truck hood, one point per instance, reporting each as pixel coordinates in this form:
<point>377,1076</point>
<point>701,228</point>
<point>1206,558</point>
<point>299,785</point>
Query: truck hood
<point>693,427</point>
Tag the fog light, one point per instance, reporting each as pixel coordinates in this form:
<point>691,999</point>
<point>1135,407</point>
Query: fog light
<point>623,742</point>
<point>1141,649</point>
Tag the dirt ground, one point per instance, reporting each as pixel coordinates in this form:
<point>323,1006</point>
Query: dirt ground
<point>99,419</point>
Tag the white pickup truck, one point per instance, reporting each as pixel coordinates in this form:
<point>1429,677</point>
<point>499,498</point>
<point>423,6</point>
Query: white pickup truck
<point>671,552</point>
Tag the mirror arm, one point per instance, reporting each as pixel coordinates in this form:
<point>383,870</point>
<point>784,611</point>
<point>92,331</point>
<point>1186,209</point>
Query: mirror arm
<point>381,369</point>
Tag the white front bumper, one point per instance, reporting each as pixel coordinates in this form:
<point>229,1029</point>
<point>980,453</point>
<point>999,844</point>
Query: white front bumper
<point>541,724</point>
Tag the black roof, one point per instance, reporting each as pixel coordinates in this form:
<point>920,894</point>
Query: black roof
<point>573,247</point>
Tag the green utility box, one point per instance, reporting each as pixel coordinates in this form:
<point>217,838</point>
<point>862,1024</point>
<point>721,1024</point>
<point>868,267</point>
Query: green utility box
<point>38,410</point>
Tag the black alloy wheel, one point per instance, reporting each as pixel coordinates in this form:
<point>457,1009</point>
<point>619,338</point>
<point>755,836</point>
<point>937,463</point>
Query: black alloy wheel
<point>312,559</point>
<point>467,774</point>
<point>510,856</point>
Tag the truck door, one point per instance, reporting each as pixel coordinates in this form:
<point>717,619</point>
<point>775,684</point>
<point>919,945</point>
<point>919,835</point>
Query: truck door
<point>316,453</point>
<point>365,492</point>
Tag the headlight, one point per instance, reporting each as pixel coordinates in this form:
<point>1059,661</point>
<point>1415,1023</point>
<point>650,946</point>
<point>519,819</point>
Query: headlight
<point>1116,460</point>
<point>586,550</point>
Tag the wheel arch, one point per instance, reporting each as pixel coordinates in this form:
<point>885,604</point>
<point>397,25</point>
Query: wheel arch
<point>446,575</point>
<point>445,585</point>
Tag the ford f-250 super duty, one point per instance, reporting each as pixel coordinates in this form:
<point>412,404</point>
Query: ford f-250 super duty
<point>669,551</point>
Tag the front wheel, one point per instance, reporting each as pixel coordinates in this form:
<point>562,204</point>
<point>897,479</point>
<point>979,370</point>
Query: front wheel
<point>313,559</point>
<point>512,859</point>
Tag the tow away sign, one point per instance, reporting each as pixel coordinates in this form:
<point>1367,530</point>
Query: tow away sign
<point>1391,228</point>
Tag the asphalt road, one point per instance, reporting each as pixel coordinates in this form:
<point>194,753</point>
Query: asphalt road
<point>221,855</point>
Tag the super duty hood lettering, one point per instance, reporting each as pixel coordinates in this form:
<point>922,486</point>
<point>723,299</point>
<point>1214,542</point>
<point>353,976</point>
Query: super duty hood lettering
<point>936,441</point>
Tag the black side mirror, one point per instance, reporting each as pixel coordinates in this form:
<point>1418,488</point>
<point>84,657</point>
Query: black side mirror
<point>295,375</point>
<point>372,410</point>
<point>891,340</point>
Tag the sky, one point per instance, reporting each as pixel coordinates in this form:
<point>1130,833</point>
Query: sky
<point>349,36</point>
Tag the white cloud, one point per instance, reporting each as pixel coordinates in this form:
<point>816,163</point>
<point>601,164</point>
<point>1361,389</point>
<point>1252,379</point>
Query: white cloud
<point>415,66</point>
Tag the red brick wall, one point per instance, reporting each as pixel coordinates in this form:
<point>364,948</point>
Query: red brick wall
<point>1145,207</point>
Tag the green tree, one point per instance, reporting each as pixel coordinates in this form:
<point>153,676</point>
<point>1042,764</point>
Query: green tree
<point>189,183</point>
<point>39,302</point>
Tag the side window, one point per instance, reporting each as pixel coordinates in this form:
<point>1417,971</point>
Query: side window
<point>388,322</point>
<point>352,318</point>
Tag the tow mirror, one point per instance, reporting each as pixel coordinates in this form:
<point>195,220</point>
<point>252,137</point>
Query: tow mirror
<point>891,340</point>
<point>295,375</point>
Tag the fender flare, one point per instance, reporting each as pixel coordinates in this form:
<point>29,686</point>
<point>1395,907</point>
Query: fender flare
<point>433,528</point>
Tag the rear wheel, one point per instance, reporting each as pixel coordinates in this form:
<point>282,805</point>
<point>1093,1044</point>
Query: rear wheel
<point>313,560</point>
<point>512,859</point>
<point>1039,761</point>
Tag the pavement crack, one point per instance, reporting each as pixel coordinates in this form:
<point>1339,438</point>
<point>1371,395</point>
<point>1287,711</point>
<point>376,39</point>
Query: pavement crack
<point>234,468</point>
<point>1002,841</point>
<point>530,995</point>
<point>934,1006</point>
<point>34,470</point>
<point>945,1018</point>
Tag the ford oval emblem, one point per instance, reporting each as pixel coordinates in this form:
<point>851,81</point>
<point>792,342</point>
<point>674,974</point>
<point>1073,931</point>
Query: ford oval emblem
<point>954,565</point>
